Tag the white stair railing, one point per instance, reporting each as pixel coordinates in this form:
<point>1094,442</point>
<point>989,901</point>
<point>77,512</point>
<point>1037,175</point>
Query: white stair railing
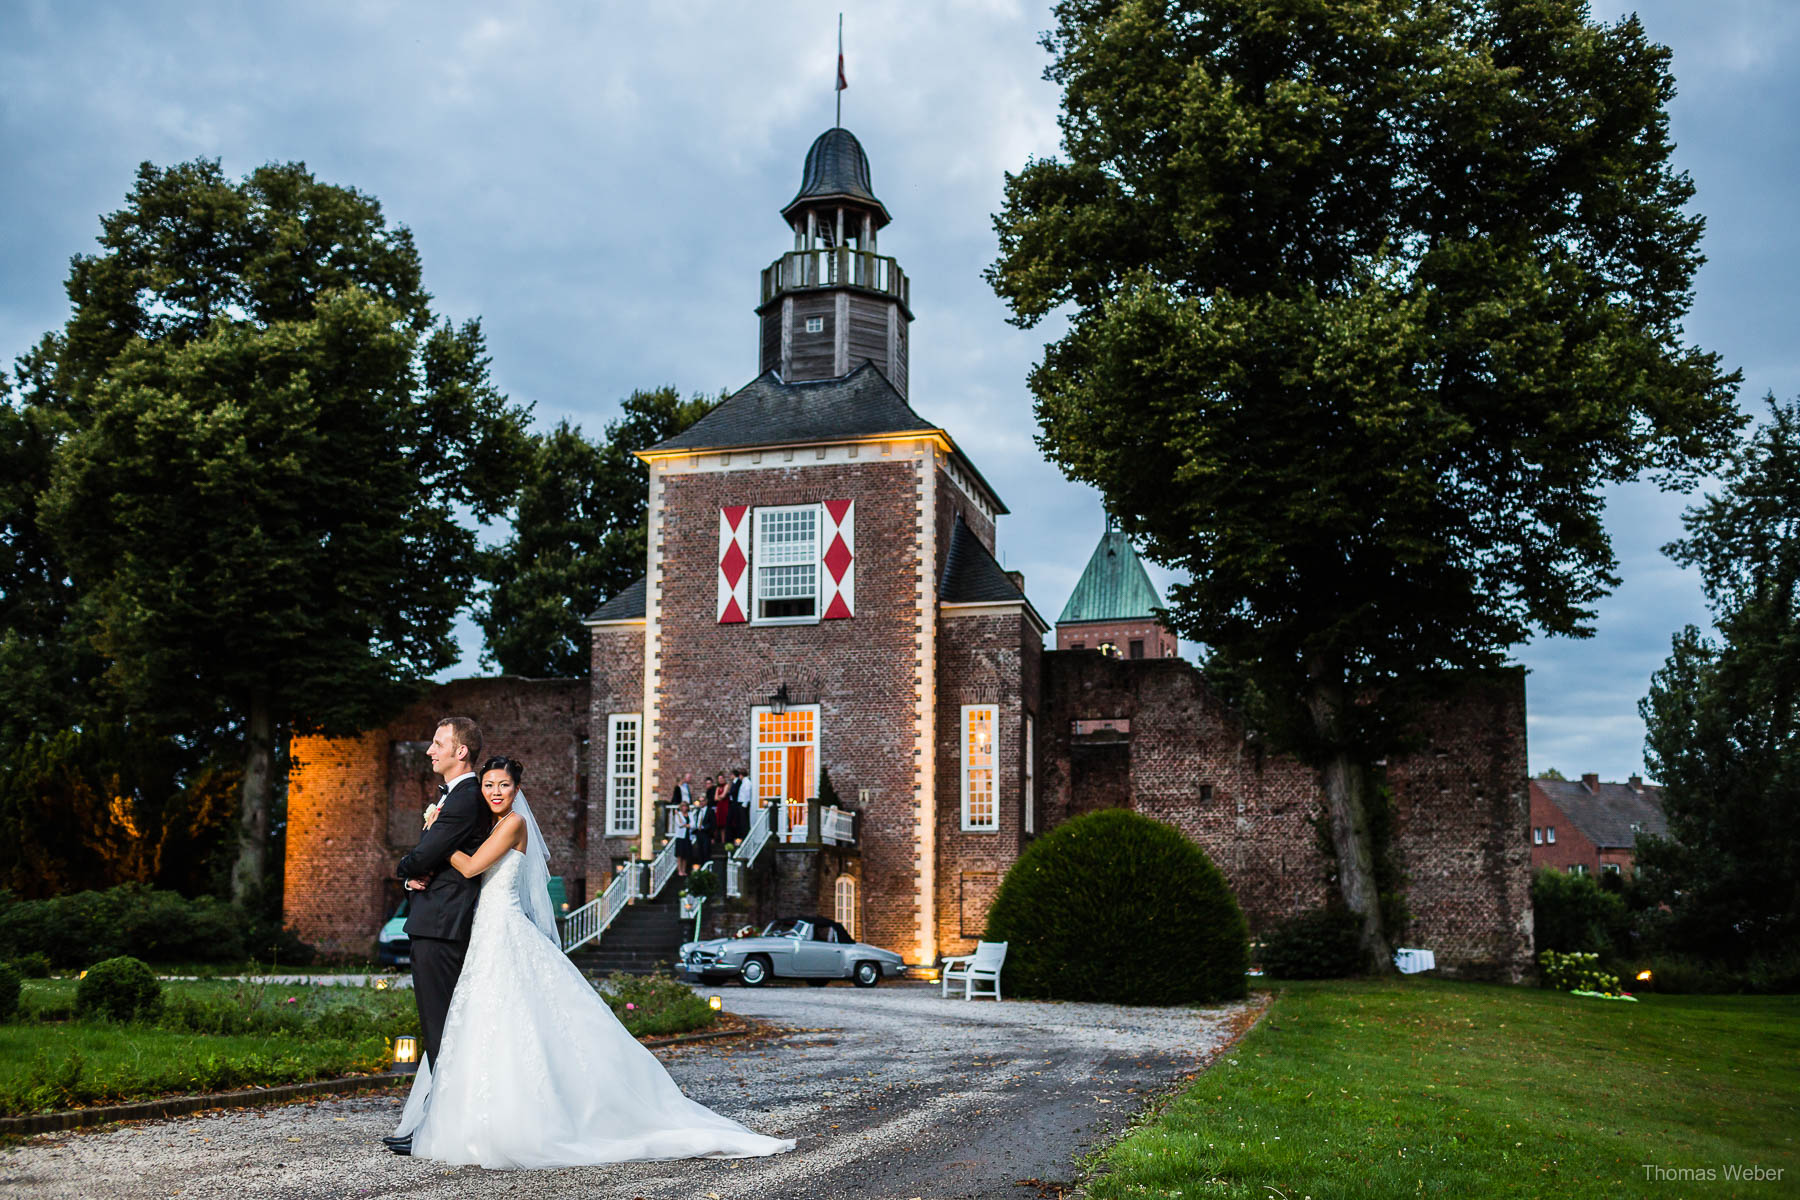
<point>588,922</point>
<point>734,877</point>
<point>662,869</point>
<point>837,826</point>
<point>761,828</point>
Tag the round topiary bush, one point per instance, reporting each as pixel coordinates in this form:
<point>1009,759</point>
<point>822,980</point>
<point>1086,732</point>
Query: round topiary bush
<point>9,993</point>
<point>1118,908</point>
<point>1322,944</point>
<point>120,988</point>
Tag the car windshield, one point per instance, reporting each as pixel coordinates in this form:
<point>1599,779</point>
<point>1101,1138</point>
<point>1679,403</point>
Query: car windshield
<point>791,927</point>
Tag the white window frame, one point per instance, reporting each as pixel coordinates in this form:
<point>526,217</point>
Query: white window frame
<point>844,904</point>
<point>1030,753</point>
<point>757,566</point>
<point>963,730</point>
<point>1550,835</point>
<point>785,829</point>
<point>615,778</point>
<point>1537,836</point>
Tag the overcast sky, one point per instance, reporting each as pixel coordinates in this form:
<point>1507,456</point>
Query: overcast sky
<point>600,184</point>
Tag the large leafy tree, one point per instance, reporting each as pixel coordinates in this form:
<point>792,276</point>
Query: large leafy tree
<point>1723,718</point>
<point>268,449</point>
<point>579,525</point>
<point>1368,303</point>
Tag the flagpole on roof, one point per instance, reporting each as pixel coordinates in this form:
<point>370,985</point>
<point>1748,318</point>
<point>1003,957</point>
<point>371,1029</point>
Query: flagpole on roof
<point>841,83</point>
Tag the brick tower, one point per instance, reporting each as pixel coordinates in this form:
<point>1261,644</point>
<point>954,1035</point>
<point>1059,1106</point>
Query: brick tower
<point>1114,606</point>
<point>821,595</point>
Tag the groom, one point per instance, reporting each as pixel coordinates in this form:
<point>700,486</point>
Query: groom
<point>441,915</point>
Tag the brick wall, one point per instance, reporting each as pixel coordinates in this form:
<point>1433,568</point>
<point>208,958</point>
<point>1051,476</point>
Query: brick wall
<point>859,671</point>
<point>616,686</point>
<point>355,803</point>
<point>981,660</point>
<point>1154,737</point>
<point>1463,829</point>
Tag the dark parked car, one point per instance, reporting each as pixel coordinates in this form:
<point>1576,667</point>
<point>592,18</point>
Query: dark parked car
<point>809,948</point>
<point>392,947</point>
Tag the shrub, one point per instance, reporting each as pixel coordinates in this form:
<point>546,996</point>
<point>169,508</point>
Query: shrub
<point>703,883</point>
<point>1576,973</point>
<point>34,965</point>
<point>1321,944</point>
<point>145,923</point>
<point>1574,914</point>
<point>121,988</point>
<point>1115,907</point>
<point>9,993</point>
<point>654,1005</point>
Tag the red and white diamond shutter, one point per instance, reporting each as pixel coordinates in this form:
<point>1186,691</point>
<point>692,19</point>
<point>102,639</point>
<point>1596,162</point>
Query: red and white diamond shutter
<point>734,564</point>
<point>839,560</point>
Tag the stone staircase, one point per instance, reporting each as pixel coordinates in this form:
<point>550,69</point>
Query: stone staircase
<point>642,940</point>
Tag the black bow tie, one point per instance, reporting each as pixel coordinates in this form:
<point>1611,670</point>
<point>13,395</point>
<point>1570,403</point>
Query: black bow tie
<point>443,790</point>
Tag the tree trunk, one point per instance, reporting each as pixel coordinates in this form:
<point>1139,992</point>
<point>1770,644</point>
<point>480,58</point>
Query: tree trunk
<point>248,872</point>
<point>1344,776</point>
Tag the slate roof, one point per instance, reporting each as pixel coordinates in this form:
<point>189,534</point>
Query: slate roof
<point>1113,587</point>
<point>836,166</point>
<point>769,412</point>
<point>628,605</point>
<point>971,576</point>
<point>1605,816</point>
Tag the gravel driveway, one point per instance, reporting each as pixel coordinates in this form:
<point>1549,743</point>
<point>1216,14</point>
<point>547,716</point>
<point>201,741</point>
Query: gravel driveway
<point>891,1092</point>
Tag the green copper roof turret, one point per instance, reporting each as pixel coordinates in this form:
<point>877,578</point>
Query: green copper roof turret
<point>1114,587</point>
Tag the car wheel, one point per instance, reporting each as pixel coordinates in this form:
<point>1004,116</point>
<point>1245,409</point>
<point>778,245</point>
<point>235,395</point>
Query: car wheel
<point>755,971</point>
<point>867,974</point>
<point>817,982</point>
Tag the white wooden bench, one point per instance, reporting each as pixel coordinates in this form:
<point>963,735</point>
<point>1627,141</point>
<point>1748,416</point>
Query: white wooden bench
<point>973,970</point>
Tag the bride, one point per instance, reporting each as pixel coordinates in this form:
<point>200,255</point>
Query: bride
<point>536,1071</point>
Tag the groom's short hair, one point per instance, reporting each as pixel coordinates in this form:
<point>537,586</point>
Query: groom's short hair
<point>467,734</point>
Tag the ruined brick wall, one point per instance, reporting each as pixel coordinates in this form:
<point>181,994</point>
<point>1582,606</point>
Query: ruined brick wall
<point>1150,735</point>
<point>355,803</point>
<point>860,671</point>
<point>616,685</point>
<point>1462,832</point>
<point>981,660</point>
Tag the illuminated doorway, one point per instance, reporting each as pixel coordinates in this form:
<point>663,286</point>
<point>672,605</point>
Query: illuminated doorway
<point>784,758</point>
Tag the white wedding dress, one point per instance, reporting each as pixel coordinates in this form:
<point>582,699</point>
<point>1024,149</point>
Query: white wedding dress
<point>536,1070</point>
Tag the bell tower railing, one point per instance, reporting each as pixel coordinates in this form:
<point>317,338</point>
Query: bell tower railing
<point>841,266</point>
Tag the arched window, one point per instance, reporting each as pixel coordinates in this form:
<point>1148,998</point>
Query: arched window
<point>846,904</point>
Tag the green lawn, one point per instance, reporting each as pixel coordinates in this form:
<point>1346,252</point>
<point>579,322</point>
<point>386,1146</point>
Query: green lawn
<point>1428,1087</point>
<point>49,1067</point>
<point>218,1034</point>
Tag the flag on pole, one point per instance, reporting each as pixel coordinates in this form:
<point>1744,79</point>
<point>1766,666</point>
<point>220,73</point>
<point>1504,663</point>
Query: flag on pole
<point>842,83</point>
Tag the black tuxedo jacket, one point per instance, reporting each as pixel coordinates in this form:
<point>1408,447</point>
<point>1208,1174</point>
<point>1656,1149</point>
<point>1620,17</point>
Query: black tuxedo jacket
<point>446,908</point>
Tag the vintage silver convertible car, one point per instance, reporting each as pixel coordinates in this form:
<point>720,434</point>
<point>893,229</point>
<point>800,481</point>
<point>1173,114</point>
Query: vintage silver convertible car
<point>809,948</point>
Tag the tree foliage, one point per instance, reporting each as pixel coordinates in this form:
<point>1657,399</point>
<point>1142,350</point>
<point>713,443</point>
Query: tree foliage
<point>266,447</point>
<point>579,523</point>
<point>1722,730</point>
<point>1368,302</point>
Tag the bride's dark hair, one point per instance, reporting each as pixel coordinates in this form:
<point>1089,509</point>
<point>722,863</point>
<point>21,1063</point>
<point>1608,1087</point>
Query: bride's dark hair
<point>511,766</point>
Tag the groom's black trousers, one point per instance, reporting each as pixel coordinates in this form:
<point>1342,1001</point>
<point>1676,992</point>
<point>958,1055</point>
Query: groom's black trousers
<point>436,965</point>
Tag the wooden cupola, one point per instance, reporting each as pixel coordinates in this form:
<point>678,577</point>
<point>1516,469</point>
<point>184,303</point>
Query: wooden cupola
<point>832,302</point>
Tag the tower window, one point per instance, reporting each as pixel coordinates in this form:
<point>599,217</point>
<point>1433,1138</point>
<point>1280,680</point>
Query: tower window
<point>786,550</point>
<point>815,324</point>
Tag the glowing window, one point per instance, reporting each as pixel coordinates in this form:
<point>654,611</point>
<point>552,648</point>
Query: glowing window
<point>980,798</point>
